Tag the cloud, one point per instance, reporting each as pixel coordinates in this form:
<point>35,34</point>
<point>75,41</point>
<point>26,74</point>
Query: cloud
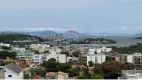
<point>42,29</point>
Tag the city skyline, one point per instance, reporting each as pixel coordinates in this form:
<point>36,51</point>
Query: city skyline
<point>84,16</point>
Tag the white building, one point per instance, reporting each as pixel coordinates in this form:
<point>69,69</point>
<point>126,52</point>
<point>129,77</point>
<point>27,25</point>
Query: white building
<point>59,57</point>
<point>99,50</point>
<point>12,71</point>
<point>38,58</point>
<point>7,45</point>
<point>25,54</point>
<point>96,58</point>
<point>130,57</point>
<point>18,49</point>
<point>39,47</point>
<point>131,75</point>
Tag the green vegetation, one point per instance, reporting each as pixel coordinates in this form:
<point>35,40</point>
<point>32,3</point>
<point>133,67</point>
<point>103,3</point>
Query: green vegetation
<point>5,48</point>
<point>109,58</point>
<point>56,66</point>
<point>4,63</point>
<point>91,64</point>
<point>35,72</point>
<point>111,69</point>
<point>95,41</point>
<point>76,53</point>
<point>97,76</point>
<point>74,72</point>
<point>12,37</point>
<point>5,54</point>
<point>52,60</point>
<point>128,50</point>
<point>7,38</point>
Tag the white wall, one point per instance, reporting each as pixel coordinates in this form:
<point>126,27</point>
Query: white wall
<point>14,75</point>
<point>38,58</point>
<point>130,58</point>
<point>96,58</point>
<point>59,57</point>
<point>99,50</point>
<point>7,45</point>
<point>62,58</point>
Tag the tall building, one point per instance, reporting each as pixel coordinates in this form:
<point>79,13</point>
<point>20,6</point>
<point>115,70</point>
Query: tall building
<point>136,59</point>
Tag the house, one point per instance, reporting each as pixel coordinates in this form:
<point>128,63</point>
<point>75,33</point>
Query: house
<point>11,71</point>
<point>131,75</point>
<point>51,75</point>
<point>7,45</point>
<point>62,75</point>
<point>2,73</point>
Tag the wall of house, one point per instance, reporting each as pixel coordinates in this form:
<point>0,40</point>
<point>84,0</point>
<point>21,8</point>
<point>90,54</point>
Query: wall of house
<point>21,75</point>
<point>96,59</point>
<point>13,74</point>
<point>38,59</point>
<point>62,58</point>
<point>130,58</point>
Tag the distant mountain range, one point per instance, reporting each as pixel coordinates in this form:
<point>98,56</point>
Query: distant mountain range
<point>71,34</point>
<point>50,33</point>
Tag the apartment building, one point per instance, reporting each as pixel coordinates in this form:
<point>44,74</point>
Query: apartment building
<point>131,75</point>
<point>136,59</point>
<point>59,57</point>
<point>38,58</point>
<point>99,50</point>
<point>96,58</point>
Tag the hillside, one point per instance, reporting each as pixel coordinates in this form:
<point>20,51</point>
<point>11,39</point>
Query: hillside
<point>15,37</point>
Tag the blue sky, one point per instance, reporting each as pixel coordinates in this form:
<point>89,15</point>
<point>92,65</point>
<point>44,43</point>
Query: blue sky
<point>88,16</point>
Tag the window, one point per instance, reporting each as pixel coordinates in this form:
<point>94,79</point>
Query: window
<point>96,59</point>
<point>36,56</point>
<point>9,75</point>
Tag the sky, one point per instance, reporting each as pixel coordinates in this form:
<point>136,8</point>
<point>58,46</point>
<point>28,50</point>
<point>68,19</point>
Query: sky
<point>85,16</point>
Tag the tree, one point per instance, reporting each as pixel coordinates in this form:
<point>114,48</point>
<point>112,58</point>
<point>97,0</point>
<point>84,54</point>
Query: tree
<point>37,52</point>
<point>86,74</point>
<point>110,58</point>
<point>5,54</point>
<point>91,64</point>
<point>26,76</point>
<point>4,63</point>
<point>52,60</point>
<point>5,48</point>
<point>64,67</point>
<point>111,69</point>
<point>47,51</point>
<point>76,53</point>
<point>35,72</point>
<point>98,69</point>
<point>97,76</point>
<point>73,73</point>
<point>56,66</point>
